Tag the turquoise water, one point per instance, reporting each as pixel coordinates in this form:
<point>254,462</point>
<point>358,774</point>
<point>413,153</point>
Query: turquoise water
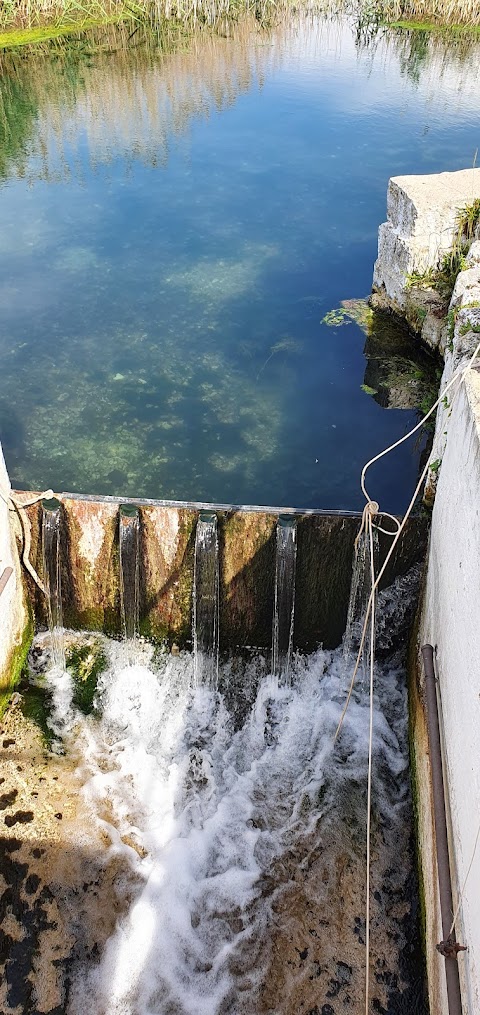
<point>174,229</point>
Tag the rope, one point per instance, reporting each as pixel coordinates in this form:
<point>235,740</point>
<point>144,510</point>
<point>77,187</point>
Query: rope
<point>370,754</point>
<point>19,505</point>
<point>462,890</point>
<point>459,375</point>
<point>370,510</point>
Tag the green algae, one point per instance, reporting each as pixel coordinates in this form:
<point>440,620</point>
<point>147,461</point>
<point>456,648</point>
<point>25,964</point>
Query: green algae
<point>86,663</point>
<point>14,38</point>
<point>434,26</point>
<point>16,662</point>
<point>36,705</point>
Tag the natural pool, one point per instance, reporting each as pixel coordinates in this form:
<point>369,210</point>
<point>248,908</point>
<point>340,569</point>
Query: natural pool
<point>175,227</point>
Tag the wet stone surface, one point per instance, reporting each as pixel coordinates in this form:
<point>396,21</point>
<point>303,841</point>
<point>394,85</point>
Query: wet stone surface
<point>64,886</point>
<point>57,897</point>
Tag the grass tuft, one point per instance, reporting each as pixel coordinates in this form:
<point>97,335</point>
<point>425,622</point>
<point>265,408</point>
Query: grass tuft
<point>425,13</point>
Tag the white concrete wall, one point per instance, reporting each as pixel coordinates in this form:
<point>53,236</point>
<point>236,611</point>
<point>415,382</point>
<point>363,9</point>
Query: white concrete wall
<point>451,622</point>
<point>13,613</point>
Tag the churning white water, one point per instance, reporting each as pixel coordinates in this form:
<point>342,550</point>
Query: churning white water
<point>203,805</point>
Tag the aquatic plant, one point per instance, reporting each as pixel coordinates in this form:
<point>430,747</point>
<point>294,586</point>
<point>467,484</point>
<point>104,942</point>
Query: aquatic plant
<point>62,16</point>
<point>335,318</point>
<point>446,12</point>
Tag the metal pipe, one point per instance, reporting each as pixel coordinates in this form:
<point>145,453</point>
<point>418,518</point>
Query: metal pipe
<point>448,946</point>
<point>7,571</point>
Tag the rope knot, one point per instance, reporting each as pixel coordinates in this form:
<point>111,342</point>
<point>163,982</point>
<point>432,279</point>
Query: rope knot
<point>370,510</point>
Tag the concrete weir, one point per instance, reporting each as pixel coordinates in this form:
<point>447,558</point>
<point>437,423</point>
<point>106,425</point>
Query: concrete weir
<point>424,216</point>
<point>89,548</point>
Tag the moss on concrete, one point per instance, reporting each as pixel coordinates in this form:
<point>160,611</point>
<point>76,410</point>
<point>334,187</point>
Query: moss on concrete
<point>16,661</point>
<point>37,705</point>
<point>85,663</point>
<point>90,590</point>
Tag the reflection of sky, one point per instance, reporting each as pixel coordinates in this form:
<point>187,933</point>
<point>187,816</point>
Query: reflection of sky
<point>371,80</point>
<point>169,291</point>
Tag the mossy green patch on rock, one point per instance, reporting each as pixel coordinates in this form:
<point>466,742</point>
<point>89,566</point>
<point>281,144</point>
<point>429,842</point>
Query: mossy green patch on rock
<point>85,663</point>
<point>37,705</point>
<point>16,661</point>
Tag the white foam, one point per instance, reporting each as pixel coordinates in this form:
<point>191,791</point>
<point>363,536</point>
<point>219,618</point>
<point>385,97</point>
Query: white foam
<point>213,806</point>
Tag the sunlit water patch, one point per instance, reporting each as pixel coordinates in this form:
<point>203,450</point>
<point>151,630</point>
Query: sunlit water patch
<point>175,229</point>
<point>241,828</point>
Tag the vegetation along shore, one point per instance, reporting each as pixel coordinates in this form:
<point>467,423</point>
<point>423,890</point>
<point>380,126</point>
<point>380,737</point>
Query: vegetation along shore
<point>48,18</point>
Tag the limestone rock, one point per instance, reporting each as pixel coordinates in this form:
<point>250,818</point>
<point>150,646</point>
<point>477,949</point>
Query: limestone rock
<point>422,214</point>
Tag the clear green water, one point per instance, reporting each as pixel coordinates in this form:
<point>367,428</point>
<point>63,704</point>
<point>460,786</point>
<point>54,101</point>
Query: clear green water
<point>174,227</point>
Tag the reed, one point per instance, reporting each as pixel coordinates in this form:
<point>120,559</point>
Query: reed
<point>28,14</point>
<point>429,12</point>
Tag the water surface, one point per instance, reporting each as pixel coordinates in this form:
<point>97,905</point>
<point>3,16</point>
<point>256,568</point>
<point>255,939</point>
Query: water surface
<point>175,226</point>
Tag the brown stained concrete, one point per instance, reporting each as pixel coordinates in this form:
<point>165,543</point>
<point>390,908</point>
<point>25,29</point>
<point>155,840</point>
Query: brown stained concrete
<point>247,547</point>
<point>247,554</point>
<point>91,560</point>
<point>60,893</point>
<point>167,540</point>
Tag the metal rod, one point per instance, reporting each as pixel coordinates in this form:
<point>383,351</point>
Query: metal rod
<point>207,506</point>
<point>7,571</point>
<point>448,947</point>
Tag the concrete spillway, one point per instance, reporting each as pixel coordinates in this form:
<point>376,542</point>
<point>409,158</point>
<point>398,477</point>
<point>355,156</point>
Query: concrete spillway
<point>247,554</point>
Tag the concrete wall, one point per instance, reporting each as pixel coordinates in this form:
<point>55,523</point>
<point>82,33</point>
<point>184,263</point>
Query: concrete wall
<point>451,622</point>
<point>421,226</point>
<point>14,621</point>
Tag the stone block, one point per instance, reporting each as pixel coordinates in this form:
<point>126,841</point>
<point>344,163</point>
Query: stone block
<point>422,220</point>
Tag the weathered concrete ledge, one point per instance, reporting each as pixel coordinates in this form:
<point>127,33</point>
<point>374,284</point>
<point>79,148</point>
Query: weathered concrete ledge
<point>422,214</point>
<point>15,624</point>
<point>247,548</point>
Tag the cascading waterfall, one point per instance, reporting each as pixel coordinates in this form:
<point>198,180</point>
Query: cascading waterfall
<point>206,602</point>
<point>284,608</point>
<point>360,589</point>
<point>129,549</point>
<point>238,852</point>
<point>236,843</point>
<point>51,551</point>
